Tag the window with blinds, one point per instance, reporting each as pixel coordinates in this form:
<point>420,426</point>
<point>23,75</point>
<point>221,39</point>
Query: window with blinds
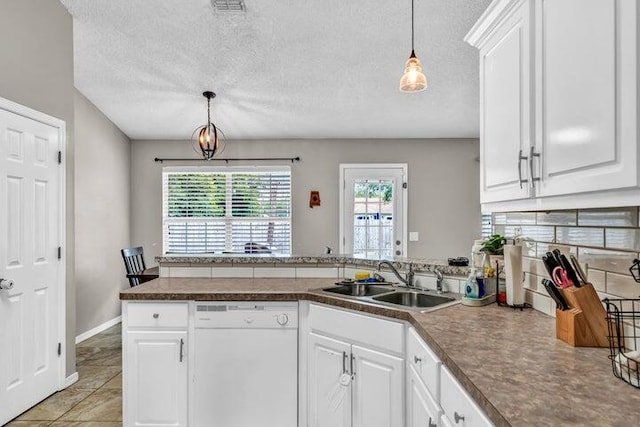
<point>227,210</point>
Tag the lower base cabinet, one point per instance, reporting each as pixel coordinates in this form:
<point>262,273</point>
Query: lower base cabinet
<point>460,410</point>
<point>355,370</point>
<point>156,379</point>
<point>422,409</point>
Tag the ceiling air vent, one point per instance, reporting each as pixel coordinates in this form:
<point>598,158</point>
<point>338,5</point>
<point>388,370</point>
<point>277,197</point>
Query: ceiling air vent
<point>228,6</point>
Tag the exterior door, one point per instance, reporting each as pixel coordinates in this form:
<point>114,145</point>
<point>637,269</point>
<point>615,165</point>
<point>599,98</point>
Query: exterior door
<point>378,395</point>
<point>156,375</point>
<point>30,233</point>
<point>373,210</point>
<point>329,397</point>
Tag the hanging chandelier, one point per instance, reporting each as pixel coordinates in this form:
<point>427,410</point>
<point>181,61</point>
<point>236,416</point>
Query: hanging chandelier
<point>413,79</point>
<point>206,136</point>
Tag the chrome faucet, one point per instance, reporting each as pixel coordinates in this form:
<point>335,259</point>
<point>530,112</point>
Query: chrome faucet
<point>407,280</point>
<point>439,280</point>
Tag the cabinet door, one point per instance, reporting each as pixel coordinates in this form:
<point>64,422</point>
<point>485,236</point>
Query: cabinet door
<point>156,379</point>
<point>378,388</point>
<point>586,95</point>
<point>422,409</point>
<point>329,399</point>
<point>459,408</point>
<point>505,113</point>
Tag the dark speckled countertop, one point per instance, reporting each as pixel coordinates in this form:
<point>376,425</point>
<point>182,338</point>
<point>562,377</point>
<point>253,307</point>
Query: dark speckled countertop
<point>509,361</point>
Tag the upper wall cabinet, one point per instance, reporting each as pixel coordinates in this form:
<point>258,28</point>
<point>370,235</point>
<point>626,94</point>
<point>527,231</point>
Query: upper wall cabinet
<point>559,99</point>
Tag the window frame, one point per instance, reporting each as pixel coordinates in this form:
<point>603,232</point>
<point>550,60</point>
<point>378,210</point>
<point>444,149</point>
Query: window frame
<point>228,219</point>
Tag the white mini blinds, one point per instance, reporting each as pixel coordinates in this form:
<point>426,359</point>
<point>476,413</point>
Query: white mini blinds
<point>226,210</point>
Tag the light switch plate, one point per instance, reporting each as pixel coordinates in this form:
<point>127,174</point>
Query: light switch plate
<point>414,236</point>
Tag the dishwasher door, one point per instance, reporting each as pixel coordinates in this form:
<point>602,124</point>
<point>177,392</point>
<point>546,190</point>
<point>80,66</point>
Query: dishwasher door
<point>246,368</point>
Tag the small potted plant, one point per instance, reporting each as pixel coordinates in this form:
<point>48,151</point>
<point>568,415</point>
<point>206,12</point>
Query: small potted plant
<point>494,245</point>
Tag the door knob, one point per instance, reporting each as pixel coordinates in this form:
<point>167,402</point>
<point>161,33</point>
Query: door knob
<point>6,284</point>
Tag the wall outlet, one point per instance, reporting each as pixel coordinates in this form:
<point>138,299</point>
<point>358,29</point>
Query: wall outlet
<point>414,236</point>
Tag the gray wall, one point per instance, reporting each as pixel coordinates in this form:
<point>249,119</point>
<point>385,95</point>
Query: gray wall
<point>444,204</point>
<point>36,47</point>
<point>102,215</point>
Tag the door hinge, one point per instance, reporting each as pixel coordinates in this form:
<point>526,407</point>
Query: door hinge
<point>59,157</point>
<point>405,185</point>
<point>59,252</point>
<point>59,349</point>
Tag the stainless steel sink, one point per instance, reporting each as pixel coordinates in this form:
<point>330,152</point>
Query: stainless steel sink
<point>359,290</point>
<point>392,296</point>
<point>414,299</point>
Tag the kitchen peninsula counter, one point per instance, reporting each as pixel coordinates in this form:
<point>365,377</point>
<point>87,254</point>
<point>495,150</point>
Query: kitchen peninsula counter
<point>509,361</point>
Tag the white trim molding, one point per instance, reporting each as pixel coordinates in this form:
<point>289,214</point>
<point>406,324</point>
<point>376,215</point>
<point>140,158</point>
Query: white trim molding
<point>71,379</point>
<point>95,331</point>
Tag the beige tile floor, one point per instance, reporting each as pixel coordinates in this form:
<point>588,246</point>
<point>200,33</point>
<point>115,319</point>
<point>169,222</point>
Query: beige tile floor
<point>96,399</point>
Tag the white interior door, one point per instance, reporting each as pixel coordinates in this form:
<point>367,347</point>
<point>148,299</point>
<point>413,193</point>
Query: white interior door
<point>30,234</point>
<point>373,208</point>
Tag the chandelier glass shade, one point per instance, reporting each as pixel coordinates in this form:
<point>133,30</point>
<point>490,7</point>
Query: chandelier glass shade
<point>205,138</point>
<point>413,79</point>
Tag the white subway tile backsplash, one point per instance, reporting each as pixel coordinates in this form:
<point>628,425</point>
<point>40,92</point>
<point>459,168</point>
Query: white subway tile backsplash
<point>598,279</point>
<point>164,271</point>
<point>606,241</point>
<point>622,285</point>
<point>267,272</point>
<point>230,272</point>
<point>540,302</point>
<point>583,236</point>
<point>623,238</point>
<point>190,272</point>
<point>618,262</point>
<point>609,217</point>
<point>557,218</point>
<point>317,272</point>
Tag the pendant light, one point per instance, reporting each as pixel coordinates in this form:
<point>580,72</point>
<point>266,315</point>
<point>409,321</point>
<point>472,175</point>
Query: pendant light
<point>207,136</point>
<point>413,79</point>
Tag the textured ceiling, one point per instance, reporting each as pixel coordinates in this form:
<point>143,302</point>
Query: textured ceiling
<point>283,69</point>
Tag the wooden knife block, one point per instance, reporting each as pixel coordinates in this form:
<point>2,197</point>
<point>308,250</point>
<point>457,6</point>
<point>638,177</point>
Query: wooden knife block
<point>585,323</point>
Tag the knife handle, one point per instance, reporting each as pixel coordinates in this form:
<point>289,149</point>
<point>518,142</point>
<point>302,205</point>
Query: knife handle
<point>568,268</point>
<point>555,294</point>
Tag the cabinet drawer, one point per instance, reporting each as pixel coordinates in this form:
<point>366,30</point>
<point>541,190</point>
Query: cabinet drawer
<point>380,333</point>
<point>156,314</point>
<point>455,401</point>
<point>424,361</point>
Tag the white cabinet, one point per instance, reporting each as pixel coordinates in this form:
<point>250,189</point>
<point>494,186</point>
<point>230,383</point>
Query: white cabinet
<point>354,379</point>
<point>559,102</point>
<point>329,394</point>
<point>459,408</point>
<point>586,95</point>
<point>155,366</point>
<point>377,388</point>
<point>505,116</point>
<point>422,409</point>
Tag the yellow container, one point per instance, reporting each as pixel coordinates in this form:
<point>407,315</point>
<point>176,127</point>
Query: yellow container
<point>362,275</point>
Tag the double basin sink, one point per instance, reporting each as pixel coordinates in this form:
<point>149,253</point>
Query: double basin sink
<point>388,295</point>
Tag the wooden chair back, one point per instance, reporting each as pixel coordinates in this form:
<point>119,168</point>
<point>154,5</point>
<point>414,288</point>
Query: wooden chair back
<point>134,263</point>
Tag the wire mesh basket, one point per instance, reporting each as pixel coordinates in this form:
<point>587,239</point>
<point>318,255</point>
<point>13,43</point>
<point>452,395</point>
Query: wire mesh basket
<point>623,319</point>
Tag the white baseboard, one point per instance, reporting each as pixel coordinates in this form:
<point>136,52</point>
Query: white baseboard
<point>95,331</point>
<point>71,379</point>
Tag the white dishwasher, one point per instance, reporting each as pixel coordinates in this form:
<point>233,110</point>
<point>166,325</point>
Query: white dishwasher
<point>246,364</point>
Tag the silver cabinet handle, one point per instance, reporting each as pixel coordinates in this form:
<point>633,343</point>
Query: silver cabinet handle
<point>156,315</point>
<point>344,362</point>
<point>520,159</point>
<point>457,417</point>
<point>417,359</point>
<point>432,424</point>
<point>6,284</point>
<point>353,371</point>
<point>181,349</point>
<point>532,154</point>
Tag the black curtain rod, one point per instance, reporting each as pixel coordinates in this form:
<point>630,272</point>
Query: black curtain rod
<point>236,159</point>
